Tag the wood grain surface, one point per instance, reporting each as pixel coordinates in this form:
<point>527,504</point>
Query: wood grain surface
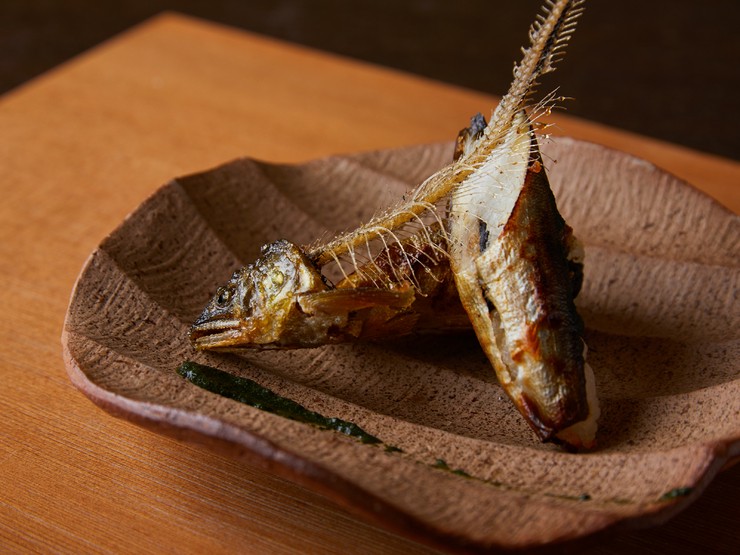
<point>84,145</point>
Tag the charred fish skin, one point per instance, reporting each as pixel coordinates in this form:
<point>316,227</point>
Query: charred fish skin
<point>547,335</point>
<point>528,289</point>
<point>517,267</point>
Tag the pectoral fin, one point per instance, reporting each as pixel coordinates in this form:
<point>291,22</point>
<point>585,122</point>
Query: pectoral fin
<point>349,300</point>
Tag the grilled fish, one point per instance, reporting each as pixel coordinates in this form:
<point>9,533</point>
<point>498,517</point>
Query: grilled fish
<point>282,300</point>
<point>480,242</point>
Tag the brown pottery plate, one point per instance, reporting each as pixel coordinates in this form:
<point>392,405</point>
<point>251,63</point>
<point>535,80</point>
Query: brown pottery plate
<point>663,328</point>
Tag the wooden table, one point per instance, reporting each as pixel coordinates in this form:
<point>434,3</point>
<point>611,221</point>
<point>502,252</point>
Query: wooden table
<point>80,148</point>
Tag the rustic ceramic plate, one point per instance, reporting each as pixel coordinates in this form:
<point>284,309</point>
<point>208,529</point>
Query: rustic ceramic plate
<point>663,325</point>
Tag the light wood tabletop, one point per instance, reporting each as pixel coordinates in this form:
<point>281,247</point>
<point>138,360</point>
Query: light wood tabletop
<point>84,145</point>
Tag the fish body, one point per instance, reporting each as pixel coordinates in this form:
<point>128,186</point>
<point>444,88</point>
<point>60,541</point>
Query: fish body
<point>517,268</point>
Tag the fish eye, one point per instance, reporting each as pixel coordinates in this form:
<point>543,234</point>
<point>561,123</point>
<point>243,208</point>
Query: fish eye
<point>278,278</point>
<point>224,297</point>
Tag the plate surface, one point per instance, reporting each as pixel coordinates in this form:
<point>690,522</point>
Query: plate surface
<point>663,329</point>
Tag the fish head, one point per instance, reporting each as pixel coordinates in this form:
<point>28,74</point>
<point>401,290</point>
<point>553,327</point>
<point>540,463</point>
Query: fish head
<point>260,301</point>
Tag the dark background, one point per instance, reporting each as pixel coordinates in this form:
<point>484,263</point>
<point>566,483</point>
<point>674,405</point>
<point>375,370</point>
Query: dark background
<point>664,68</point>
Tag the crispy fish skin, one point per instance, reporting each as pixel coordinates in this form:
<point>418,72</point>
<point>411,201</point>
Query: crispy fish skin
<point>526,267</point>
<point>512,256</point>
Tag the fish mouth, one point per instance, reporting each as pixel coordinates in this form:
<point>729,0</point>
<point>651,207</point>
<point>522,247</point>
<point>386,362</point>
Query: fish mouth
<point>212,334</point>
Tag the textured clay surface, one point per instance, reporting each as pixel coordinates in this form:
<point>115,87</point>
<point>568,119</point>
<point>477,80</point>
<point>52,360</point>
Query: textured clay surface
<point>663,329</point>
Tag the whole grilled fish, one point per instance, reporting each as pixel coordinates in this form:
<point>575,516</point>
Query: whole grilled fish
<point>486,247</point>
